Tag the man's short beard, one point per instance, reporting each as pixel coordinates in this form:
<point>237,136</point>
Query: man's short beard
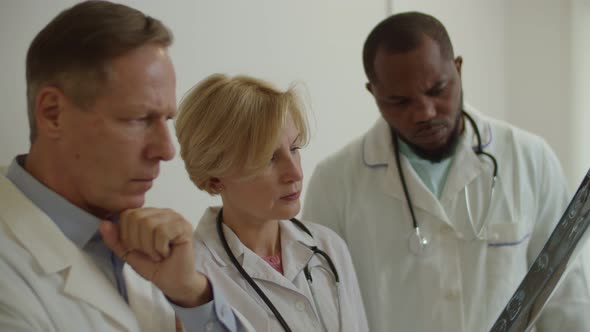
<point>439,154</point>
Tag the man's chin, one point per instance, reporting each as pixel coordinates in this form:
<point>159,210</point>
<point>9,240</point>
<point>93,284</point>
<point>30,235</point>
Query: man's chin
<point>435,155</point>
<point>130,202</point>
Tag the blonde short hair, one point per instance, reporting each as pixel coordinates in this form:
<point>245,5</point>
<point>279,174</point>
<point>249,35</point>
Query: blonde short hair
<point>230,123</point>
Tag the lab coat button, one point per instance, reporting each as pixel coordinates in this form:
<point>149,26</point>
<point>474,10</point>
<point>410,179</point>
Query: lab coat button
<point>460,235</point>
<point>300,305</point>
<point>210,326</point>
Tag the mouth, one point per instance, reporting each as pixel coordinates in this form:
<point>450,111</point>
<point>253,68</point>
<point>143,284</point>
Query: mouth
<point>292,196</point>
<point>144,183</point>
<point>432,135</point>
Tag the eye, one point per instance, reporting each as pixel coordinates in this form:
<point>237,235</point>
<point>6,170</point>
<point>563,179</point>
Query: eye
<point>295,149</point>
<point>437,90</point>
<point>396,104</point>
<point>138,119</point>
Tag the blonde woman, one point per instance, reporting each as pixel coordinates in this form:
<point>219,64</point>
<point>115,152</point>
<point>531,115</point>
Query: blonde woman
<point>240,139</point>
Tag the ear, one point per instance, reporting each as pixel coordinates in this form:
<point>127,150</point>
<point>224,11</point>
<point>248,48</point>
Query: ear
<point>49,107</point>
<point>458,64</point>
<point>216,185</point>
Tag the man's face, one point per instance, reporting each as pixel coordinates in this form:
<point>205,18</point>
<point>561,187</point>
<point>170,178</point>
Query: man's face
<point>419,95</point>
<point>111,151</point>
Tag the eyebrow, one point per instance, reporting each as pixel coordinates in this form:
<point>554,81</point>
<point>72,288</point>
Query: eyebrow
<point>141,109</point>
<point>437,85</point>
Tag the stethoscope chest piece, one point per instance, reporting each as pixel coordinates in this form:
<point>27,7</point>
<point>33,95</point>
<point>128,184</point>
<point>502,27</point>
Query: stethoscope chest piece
<point>417,243</point>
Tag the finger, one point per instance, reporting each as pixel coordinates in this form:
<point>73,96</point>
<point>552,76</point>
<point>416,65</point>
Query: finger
<point>150,220</point>
<point>140,262</point>
<point>162,241</point>
<point>139,225</point>
<point>166,232</point>
<point>147,229</point>
<point>173,233</point>
<point>123,218</point>
<point>127,225</point>
<point>134,228</point>
<point>110,236</point>
<point>184,233</point>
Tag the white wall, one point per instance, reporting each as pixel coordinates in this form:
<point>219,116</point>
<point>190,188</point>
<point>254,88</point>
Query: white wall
<point>525,62</point>
<point>316,42</point>
<point>518,66</point>
<point>476,28</point>
<point>540,74</point>
<point>580,60</point>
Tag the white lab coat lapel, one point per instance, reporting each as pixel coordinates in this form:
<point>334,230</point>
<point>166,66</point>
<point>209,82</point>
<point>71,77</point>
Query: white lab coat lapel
<point>151,308</point>
<point>56,254</point>
<point>86,282</point>
<point>296,250</point>
<point>295,255</point>
<point>466,166</point>
<point>378,152</point>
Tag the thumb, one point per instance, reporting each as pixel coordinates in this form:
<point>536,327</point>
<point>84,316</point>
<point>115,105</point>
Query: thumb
<point>110,236</point>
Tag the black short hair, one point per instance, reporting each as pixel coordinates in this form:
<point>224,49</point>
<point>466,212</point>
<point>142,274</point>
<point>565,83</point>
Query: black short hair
<point>402,33</point>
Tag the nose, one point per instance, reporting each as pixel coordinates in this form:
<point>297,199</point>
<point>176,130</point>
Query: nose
<point>292,169</point>
<point>424,111</point>
<point>161,147</point>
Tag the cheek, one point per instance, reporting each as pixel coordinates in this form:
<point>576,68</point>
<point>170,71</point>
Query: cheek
<point>397,122</point>
<point>103,156</point>
<point>260,194</point>
<point>452,101</point>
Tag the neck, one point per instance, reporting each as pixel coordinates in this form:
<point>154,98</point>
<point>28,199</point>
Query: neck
<point>48,170</point>
<point>44,169</point>
<point>260,236</point>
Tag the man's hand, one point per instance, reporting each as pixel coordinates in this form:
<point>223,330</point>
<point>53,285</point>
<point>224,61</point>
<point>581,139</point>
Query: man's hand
<point>157,244</point>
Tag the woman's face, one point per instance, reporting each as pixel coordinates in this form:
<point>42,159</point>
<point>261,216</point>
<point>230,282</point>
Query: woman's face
<point>274,193</point>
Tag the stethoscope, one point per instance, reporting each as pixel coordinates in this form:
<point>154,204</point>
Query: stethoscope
<point>417,242</point>
<point>306,272</point>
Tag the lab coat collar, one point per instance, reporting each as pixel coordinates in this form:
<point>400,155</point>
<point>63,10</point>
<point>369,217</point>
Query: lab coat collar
<point>54,253</point>
<point>295,250</point>
<point>377,153</point>
<point>466,165</point>
<point>207,232</point>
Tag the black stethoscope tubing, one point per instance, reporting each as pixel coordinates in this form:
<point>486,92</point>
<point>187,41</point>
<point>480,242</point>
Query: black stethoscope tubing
<point>478,151</point>
<point>252,283</point>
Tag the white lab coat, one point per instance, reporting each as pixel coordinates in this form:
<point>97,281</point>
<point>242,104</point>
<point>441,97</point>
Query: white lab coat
<point>463,282</point>
<point>290,293</point>
<point>48,284</point>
